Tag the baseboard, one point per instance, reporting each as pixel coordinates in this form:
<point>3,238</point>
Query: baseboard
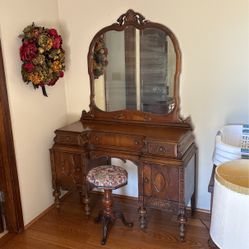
<point>45,211</point>
<point>206,211</point>
<point>197,210</point>
<point>124,197</point>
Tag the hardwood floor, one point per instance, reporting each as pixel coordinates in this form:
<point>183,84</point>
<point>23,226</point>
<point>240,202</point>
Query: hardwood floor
<point>69,228</point>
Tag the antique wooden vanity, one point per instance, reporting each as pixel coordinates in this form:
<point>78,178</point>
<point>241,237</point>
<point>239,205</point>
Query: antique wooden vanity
<point>134,67</point>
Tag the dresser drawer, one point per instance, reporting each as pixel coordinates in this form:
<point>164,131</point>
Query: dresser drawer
<point>159,148</point>
<point>121,141</point>
<point>70,139</point>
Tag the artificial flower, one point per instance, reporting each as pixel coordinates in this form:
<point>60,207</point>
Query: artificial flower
<point>42,55</point>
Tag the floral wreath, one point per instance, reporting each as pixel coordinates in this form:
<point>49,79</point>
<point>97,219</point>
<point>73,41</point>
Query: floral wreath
<point>99,57</point>
<point>42,55</point>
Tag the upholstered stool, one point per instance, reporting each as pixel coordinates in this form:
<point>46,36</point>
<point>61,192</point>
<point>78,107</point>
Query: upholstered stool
<point>108,178</point>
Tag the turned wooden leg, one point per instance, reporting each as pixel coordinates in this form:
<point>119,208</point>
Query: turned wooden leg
<point>124,221</point>
<point>108,217</point>
<point>142,217</point>
<point>106,227</point>
<point>182,222</point>
<point>57,194</point>
<point>86,201</point>
<point>1,219</point>
<point>107,202</point>
<point>193,204</point>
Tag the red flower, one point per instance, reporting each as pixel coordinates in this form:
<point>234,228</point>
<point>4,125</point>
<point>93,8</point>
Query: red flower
<point>57,42</point>
<point>61,74</point>
<point>52,82</point>
<point>28,67</point>
<point>53,32</point>
<point>28,51</point>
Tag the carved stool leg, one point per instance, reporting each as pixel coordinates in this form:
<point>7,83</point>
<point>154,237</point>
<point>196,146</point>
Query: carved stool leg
<point>106,227</point>
<point>182,222</point>
<point>108,217</point>
<point>142,217</point>
<point>107,202</point>
<point>124,221</point>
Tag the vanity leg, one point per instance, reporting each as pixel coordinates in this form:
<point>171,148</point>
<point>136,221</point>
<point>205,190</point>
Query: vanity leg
<point>142,217</point>
<point>193,204</point>
<point>182,222</point>
<point>56,194</point>
<point>86,201</point>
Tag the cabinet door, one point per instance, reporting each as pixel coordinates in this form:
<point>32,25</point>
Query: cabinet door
<point>161,182</point>
<point>69,169</point>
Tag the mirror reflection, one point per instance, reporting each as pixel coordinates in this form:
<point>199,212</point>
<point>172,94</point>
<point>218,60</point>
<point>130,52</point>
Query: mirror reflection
<point>134,69</point>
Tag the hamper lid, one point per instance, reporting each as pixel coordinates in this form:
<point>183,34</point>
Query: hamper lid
<point>234,175</point>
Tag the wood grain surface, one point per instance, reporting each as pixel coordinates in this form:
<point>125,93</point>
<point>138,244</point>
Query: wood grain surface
<point>70,228</point>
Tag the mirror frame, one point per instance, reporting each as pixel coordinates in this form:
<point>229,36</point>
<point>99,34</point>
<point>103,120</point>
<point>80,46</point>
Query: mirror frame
<point>138,21</point>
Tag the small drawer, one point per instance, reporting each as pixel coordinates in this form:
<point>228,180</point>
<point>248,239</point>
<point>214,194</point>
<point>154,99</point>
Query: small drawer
<point>165,149</point>
<point>121,141</point>
<point>70,139</point>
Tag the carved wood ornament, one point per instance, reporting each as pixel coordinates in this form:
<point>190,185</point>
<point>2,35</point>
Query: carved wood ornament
<point>162,146</point>
<point>131,18</point>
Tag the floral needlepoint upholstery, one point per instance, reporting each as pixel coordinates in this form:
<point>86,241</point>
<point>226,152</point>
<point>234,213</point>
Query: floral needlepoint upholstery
<point>107,176</point>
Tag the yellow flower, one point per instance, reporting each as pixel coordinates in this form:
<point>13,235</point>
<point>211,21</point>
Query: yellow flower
<point>56,66</point>
<point>49,44</point>
<point>35,78</point>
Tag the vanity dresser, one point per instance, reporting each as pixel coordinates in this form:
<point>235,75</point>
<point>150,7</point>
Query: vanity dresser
<point>134,67</point>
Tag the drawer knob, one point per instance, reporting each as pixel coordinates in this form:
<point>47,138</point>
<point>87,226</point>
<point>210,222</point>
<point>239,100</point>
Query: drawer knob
<point>161,149</point>
<point>146,180</point>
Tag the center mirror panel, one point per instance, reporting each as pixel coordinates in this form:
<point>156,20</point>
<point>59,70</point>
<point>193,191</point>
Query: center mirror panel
<point>135,69</point>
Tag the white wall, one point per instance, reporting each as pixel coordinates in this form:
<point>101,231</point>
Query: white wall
<point>213,37</point>
<point>34,117</point>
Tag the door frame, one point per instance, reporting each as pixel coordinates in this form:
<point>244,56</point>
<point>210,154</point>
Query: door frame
<point>8,170</point>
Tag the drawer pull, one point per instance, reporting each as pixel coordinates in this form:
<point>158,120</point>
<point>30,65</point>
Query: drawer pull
<point>146,180</point>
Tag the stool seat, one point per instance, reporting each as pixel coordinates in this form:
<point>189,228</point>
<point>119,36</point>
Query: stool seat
<point>107,176</point>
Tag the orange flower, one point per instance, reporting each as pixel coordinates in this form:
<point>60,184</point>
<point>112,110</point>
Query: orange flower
<point>56,66</point>
<point>49,44</point>
<point>35,78</point>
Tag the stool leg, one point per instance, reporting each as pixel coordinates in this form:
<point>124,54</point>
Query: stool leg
<point>106,227</point>
<point>107,202</point>
<point>108,216</point>
<point>124,221</point>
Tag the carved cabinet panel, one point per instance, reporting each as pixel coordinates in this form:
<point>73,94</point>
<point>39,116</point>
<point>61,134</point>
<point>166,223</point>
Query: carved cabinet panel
<point>69,169</point>
<point>161,182</point>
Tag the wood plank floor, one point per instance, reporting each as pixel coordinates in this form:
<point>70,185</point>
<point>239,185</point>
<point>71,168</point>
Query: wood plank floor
<point>69,228</point>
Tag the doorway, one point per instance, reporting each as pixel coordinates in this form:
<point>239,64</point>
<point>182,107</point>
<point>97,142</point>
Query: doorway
<point>9,184</point>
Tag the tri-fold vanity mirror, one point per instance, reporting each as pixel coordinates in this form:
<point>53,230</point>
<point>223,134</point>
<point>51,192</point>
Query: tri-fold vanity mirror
<point>134,67</point>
